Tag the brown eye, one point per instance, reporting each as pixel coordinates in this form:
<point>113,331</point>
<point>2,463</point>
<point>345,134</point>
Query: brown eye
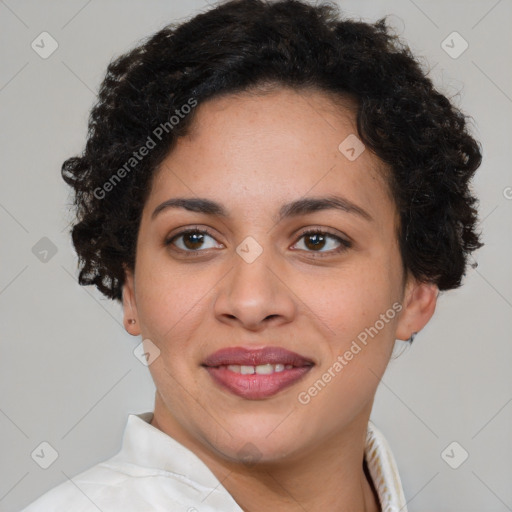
<point>316,240</point>
<point>192,240</point>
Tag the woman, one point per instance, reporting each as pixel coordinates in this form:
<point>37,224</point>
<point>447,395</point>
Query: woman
<point>275,194</point>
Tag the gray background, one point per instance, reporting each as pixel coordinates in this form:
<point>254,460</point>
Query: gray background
<point>67,372</point>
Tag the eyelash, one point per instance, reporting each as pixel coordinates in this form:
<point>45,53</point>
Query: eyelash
<point>344,244</point>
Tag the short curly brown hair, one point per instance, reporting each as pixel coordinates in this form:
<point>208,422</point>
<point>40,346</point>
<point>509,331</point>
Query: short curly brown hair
<point>238,46</point>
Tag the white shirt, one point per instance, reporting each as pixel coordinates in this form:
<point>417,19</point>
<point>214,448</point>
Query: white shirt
<point>153,472</point>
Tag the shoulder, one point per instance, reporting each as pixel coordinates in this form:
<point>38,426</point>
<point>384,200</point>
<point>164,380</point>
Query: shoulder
<point>110,487</point>
<point>152,471</point>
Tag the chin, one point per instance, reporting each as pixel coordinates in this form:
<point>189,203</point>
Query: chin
<point>252,444</point>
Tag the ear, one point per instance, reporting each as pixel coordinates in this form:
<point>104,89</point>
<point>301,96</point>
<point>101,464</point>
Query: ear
<point>419,304</point>
<point>131,319</point>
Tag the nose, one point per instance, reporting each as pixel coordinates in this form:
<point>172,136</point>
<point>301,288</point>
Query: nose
<point>255,295</point>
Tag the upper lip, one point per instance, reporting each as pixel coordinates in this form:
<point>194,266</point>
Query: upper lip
<point>255,357</point>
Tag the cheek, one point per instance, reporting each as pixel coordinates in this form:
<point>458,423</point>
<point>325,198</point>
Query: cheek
<point>356,356</point>
<point>352,299</point>
<point>171,304</point>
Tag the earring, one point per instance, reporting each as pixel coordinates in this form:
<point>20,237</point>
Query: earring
<point>413,335</point>
<point>132,321</point>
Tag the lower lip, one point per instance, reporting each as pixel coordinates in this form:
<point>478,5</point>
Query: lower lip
<point>255,386</point>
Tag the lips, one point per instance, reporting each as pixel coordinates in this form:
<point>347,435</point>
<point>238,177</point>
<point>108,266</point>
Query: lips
<point>256,357</point>
<point>255,374</point>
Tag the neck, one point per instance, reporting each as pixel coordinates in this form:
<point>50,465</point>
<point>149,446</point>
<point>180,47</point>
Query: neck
<point>329,476</point>
<point>323,480</point>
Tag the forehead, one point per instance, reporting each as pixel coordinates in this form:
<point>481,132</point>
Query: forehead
<point>277,145</point>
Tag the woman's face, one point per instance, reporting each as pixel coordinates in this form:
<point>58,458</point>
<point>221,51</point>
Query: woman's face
<point>276,165</point>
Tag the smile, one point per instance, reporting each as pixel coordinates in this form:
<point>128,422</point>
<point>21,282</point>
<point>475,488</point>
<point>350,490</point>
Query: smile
<point>261,369</point>
<point>256,374</point>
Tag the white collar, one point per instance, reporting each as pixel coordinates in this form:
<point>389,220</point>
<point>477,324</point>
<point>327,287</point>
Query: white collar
<point>145,445</point>
<point>384,472</point>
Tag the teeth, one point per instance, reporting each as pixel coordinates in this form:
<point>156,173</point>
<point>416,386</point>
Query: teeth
<point>262,369</point>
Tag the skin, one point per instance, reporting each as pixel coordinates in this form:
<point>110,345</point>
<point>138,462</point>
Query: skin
<point>253,153</point>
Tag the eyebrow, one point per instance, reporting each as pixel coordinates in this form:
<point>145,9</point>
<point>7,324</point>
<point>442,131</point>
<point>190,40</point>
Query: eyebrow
<point>294,209</point>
